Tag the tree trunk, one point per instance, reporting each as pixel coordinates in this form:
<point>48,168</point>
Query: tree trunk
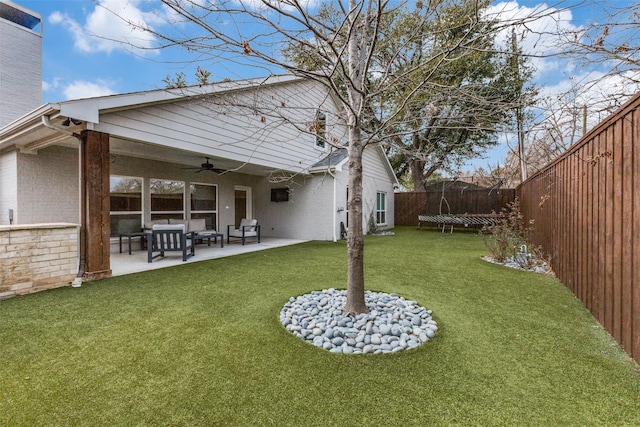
<point>355,240</point>
<point>417,174</point>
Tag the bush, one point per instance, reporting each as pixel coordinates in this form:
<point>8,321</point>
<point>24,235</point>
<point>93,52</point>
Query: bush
<point>373,226</point>
<point>507,234</point>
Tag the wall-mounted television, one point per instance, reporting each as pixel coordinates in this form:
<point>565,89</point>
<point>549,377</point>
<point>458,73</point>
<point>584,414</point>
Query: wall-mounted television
<point>280,194</point>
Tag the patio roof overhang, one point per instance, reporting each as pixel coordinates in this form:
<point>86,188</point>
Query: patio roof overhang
<point>44,127</point>
<point>50,124</point>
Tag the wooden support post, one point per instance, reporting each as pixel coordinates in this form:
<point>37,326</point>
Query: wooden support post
<point>94,159</point>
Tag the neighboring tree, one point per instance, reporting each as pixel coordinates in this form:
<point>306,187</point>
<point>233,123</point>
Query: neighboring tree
<point>175,82</point>
<point>180,79</point>
<point>612,42</point>
<point>492,178</point>
<point>520,73</point>
<point>360,70</point>
<point>160,186</point>
<point>605,57</point>
<point>126,185</point>
<point>448,109</point>
<point>457,114</point>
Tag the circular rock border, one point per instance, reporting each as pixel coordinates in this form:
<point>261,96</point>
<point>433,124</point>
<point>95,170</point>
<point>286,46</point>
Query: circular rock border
<point>393,324</point>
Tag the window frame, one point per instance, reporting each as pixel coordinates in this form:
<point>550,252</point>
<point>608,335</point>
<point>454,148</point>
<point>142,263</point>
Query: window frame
<point>155,214</point>
<point>113,214</point>
<point>320,129</point>
<point>213,212</point>
<point>381,211</point>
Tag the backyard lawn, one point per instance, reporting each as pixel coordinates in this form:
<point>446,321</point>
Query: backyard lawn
<point>201,345</point>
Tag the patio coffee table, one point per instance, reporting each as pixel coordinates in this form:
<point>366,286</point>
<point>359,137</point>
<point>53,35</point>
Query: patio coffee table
<point>211,235</point>
<point>142,236</point>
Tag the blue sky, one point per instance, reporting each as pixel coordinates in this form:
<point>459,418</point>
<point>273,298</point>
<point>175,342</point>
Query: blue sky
<point>77,64</point>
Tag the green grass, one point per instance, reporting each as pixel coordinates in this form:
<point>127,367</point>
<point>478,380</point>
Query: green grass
<point>201,344</point>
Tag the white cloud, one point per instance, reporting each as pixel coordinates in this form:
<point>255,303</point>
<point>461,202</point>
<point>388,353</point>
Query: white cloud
<point>83,89</point>
<point>51,86</point>
<point>112,25</point>
<point>538,28</point>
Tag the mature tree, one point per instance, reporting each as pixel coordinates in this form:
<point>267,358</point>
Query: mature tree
<point>456,115</point>
<point>448,108</point>
<point>359,68</point>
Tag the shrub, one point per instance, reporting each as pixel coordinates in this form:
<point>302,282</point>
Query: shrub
<point>507,234</point>
<point>373,226</point>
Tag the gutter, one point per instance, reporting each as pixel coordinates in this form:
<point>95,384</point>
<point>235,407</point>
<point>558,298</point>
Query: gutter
<point>47,123</point>
<point>82,264</point>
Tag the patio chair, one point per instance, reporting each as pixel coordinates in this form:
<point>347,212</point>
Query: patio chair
<point>247,228</point>
<point>170,238</point>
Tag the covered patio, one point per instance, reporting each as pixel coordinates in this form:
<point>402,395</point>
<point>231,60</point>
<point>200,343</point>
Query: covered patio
<point>123,263</point>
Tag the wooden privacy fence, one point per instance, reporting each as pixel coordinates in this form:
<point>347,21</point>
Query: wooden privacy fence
<point>407,206</point>
<point>586,208</point>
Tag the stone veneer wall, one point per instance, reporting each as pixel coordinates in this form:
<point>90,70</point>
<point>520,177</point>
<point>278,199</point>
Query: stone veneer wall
<point>35,257</point>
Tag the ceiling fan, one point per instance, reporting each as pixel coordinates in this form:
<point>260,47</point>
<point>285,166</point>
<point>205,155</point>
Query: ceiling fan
<point>207,166</point>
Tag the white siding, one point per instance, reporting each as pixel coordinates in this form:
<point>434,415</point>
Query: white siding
<point>8,186</point>
<point>247,126</point>
<point>268,126</point>
<point>376,177</point>
<point>20,71</point>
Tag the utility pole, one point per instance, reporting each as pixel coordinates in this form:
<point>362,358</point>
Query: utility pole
<point>519,108</point>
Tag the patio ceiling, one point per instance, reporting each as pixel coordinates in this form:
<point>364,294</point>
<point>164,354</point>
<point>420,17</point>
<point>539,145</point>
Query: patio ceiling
<point>142,150</point>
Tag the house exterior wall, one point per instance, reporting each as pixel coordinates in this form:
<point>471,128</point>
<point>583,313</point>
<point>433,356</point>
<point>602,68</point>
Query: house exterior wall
<point>8,186</point>
<point>269,126</point>
<point>247,126</point>
<point>47,185</point>
<point>151,169</point>
<point>20,68</point>
<point>308,213</point>
<point>376,177</point>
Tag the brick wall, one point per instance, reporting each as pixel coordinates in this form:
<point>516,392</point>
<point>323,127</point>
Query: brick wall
<point>36,257</point>
<point>48,186</point>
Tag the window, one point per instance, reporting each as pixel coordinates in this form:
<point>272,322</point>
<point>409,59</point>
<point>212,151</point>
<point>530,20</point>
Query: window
<point>167,199</point>
<point>126,204</point>
<point>381,208</point>
<point>204,204</point>
<point>321,129</point>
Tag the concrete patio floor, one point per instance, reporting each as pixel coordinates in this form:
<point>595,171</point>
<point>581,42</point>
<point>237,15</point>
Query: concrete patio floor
<point>123,263</point>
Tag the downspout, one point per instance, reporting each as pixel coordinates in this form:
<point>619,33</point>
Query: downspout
<point>77,282</point>
<point>335,239</point>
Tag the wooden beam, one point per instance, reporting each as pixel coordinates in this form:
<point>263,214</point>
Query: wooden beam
<point>95,163</point>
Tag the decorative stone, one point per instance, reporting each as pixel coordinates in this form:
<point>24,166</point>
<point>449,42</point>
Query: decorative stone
<point>385,329</point>
<point>392,324</point>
